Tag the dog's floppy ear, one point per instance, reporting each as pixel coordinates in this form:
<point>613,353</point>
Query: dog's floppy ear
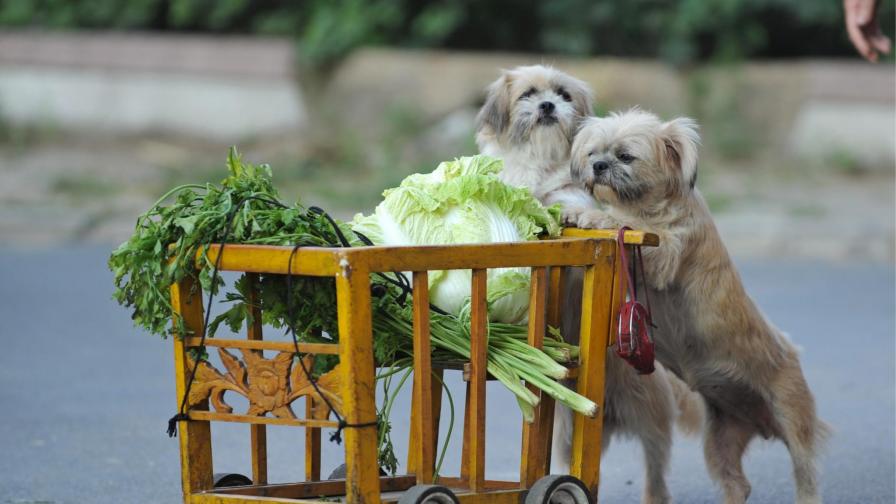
<point>680,142</point>
<point>578,156</point>
<point>495,113</point>
<point>582,97</point>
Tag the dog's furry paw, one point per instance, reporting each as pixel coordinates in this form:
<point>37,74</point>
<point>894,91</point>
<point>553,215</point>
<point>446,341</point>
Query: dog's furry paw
<point>590,218</point>
<point>570,215</point>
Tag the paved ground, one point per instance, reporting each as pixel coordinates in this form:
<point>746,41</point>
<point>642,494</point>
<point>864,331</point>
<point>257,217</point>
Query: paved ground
<point>84,396</point>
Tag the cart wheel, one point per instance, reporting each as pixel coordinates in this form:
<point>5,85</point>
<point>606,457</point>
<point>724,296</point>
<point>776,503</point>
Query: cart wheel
<point>339,473</point>
<point>230,479</point>
<point>559,489</point>
<point>428,494</point>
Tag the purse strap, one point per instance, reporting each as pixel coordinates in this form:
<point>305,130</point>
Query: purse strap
<point>631,273</point>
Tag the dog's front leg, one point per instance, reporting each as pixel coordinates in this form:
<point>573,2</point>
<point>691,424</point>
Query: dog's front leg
<point>661,262</point>
<point>571,214</point>
<point>592,218</point>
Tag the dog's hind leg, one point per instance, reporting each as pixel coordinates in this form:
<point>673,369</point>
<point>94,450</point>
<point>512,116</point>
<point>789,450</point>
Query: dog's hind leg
<point>804,474</point>
<point>651,422</point>
<point>794,410</point>
<point>642,407</point>
<point>657,446</point>
<point>561,441</point>
<point>725,442</point>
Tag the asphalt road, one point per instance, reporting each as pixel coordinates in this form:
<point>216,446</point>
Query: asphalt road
<point>84,397</point>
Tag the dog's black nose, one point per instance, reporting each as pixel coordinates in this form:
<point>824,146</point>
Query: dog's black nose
<point>546,107</point>
<point>600,166</point>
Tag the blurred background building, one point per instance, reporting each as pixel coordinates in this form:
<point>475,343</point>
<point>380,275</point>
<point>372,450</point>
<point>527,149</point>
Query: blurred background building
<point>106,103</point>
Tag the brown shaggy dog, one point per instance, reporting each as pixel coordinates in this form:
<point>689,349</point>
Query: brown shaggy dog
<point>529,119</point>
<point>709,332</point>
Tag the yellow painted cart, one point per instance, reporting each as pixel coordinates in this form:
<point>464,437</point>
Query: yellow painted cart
<point>271,385</point>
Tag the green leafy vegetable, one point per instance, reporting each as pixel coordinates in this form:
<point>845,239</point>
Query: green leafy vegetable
<point>245,208</point>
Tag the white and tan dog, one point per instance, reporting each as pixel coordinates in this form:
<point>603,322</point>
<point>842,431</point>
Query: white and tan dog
<point>529,119</point>
<point>709,332</point>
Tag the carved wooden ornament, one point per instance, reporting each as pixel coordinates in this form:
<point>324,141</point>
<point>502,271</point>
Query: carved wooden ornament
<point>270,385</point>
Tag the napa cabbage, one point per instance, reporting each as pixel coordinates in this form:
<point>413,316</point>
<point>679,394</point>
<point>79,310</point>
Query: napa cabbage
<point>464,201</point>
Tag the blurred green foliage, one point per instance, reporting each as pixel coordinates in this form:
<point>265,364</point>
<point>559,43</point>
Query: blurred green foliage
<point>680,31</point>
<point>717,96</point>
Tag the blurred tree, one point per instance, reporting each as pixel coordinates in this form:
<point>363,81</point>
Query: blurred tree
<point>680,31</point>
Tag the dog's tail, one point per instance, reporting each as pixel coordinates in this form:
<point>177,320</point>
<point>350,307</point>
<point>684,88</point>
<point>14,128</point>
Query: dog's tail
<point>691,410</point>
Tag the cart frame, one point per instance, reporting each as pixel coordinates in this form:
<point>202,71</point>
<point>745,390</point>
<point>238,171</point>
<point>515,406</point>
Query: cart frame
<point>352,382</point>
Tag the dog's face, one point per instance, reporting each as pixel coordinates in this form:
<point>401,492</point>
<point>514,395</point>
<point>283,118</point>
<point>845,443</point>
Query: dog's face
<point>535,106</point>
<point>634,158</point>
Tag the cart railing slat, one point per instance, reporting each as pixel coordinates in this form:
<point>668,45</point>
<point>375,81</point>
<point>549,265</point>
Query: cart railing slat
<point>329,261</point>
<point>422,448</point>
<point>280,346</point>
<point>532,457</point>
<point>257,433</point>
<point>473,458</point>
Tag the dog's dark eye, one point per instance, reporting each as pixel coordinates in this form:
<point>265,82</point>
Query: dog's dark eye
<point>564,94</point>
<point>529,92</point>
<point>625,157</point>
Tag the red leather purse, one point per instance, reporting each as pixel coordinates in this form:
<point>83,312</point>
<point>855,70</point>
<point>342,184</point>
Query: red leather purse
<point>633,342</point>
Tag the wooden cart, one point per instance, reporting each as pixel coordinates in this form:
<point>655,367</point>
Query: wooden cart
<point>271,385</point>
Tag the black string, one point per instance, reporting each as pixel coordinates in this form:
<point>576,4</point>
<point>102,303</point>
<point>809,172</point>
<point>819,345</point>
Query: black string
<point>181,413</point>
<point>399,280</point>
<point>341,423</point>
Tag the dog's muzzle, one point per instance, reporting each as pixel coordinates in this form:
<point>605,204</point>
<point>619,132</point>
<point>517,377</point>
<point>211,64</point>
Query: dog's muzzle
<point>546,113</point>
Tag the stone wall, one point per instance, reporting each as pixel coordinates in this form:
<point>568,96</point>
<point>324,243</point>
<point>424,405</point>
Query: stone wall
<point>809,108</point>
<point>234,88</point>
<point>218,88</point>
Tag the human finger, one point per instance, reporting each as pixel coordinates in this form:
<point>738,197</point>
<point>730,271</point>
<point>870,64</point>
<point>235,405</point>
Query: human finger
<point>858,39</point>
<point>864,11</point>
<point>880,42</point>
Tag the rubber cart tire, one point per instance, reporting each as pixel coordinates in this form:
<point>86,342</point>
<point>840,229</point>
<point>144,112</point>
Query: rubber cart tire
<point>428,494</point>
<point>339,473</point>
<point>223,480</point>
<point>559,489</point>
